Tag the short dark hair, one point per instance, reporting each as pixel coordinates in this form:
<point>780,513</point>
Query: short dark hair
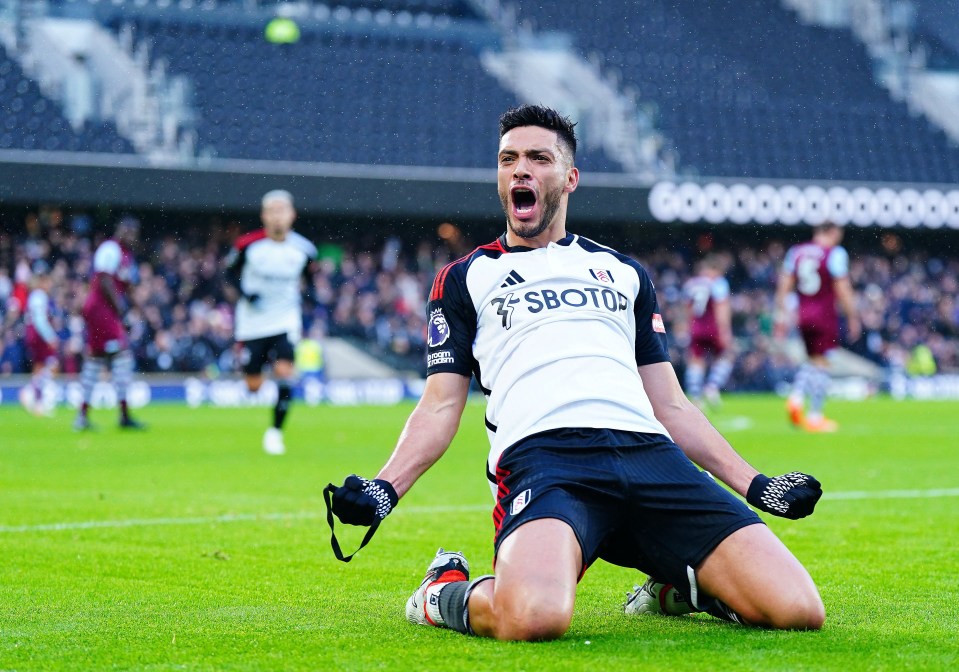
<point>544,117</point>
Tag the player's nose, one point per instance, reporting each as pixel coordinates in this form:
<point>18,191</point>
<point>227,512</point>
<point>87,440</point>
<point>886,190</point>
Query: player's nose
<point>521,168</point>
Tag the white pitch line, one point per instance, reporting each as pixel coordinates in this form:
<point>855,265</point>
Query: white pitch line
<point>893,494</point>
<point>147,522</point>
<point>225,518</point>
<point>465,508</point>
<point>733,424</point>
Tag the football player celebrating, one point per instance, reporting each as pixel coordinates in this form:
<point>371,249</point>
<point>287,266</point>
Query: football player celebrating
<point>593,442</point>
<point>266,268</point>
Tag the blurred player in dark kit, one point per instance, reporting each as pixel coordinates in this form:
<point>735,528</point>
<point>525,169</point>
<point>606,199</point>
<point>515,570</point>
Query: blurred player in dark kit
<point>709,316</point>
<point>818,273</point>
<point>106,342</point>
<point>42,343</point>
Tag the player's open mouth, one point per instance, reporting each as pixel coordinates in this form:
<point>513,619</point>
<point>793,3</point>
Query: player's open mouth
<point>524,201</point>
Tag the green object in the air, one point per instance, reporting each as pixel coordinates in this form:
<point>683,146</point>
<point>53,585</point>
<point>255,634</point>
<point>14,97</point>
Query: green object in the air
<point>282,31</point>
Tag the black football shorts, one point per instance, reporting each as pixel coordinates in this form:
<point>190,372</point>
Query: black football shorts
<point>258,351</point>
<point>632,499</point>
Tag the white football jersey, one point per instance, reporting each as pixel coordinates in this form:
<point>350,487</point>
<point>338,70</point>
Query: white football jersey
<point>553,336</point>
<point>107,258</point>
<point>272,270</point>
<point>38,314</point>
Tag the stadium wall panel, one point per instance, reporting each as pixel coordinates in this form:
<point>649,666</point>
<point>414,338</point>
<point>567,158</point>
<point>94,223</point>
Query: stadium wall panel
<point>194,392</point>
<point>27,178</point>
<point>385,192</point>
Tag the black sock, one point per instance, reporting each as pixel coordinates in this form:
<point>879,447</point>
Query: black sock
<point>720,610</point>
<point>453,605</point>
<point>285,394</point>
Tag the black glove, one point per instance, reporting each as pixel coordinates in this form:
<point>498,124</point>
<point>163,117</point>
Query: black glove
<point>793,495</point>
<point>361,502</point>
<point>251,298</point>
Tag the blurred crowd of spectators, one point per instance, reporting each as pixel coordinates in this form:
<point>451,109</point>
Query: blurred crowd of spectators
<point>180,319</point>
<point>908,304</point>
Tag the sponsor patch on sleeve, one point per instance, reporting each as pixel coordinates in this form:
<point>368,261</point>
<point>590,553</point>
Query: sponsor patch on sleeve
<point>440,357</point>
<point>658,325</point>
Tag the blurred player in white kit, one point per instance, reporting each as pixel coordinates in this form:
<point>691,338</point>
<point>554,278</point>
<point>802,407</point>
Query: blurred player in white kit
<point>266,268</point>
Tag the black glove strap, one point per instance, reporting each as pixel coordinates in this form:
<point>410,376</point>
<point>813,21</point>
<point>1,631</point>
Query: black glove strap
<point>327,494</point>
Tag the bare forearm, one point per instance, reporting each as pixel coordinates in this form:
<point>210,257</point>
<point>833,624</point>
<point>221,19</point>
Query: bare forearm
<point>724,320</point>
<point>705,446</point>
<point>426,436</point>
<point>784,285</point>
<point>847,300</point>
<point>691,431</point>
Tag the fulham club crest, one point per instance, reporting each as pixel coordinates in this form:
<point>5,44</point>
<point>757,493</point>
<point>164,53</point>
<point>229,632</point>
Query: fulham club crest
<point>520,501</point>
<point>602,274</point>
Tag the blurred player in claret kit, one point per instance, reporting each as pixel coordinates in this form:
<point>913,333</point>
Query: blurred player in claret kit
<point>709,316</point>
<point>42,342</point>
<point>593,441</point>
<point>267,269</point>
<point>114,272</point>
<point>818,272</point>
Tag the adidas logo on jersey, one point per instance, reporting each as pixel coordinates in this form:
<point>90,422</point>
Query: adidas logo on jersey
<point>513,278</point>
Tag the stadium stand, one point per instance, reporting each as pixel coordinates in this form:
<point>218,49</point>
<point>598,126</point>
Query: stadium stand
<point>360,85</point>
<point>450,8</point>
<point>333,97</point>
<point>743,89</point>
<point>936,27</point>
<point>387,95</point>
<point>33,122</point>
<point>368,82</point>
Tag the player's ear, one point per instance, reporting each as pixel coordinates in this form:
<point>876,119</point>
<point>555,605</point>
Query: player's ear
<point>572,179</point>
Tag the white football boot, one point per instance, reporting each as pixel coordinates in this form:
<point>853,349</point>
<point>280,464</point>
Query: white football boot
<point>654,597</point>
<point>273,442</point>
<point>423,606</point>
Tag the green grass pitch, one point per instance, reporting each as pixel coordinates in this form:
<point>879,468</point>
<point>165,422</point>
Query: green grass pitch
<point>187,548</point>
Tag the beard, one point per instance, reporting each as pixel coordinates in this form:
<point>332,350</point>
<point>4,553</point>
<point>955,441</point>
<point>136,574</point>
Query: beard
<point>531,229</point>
